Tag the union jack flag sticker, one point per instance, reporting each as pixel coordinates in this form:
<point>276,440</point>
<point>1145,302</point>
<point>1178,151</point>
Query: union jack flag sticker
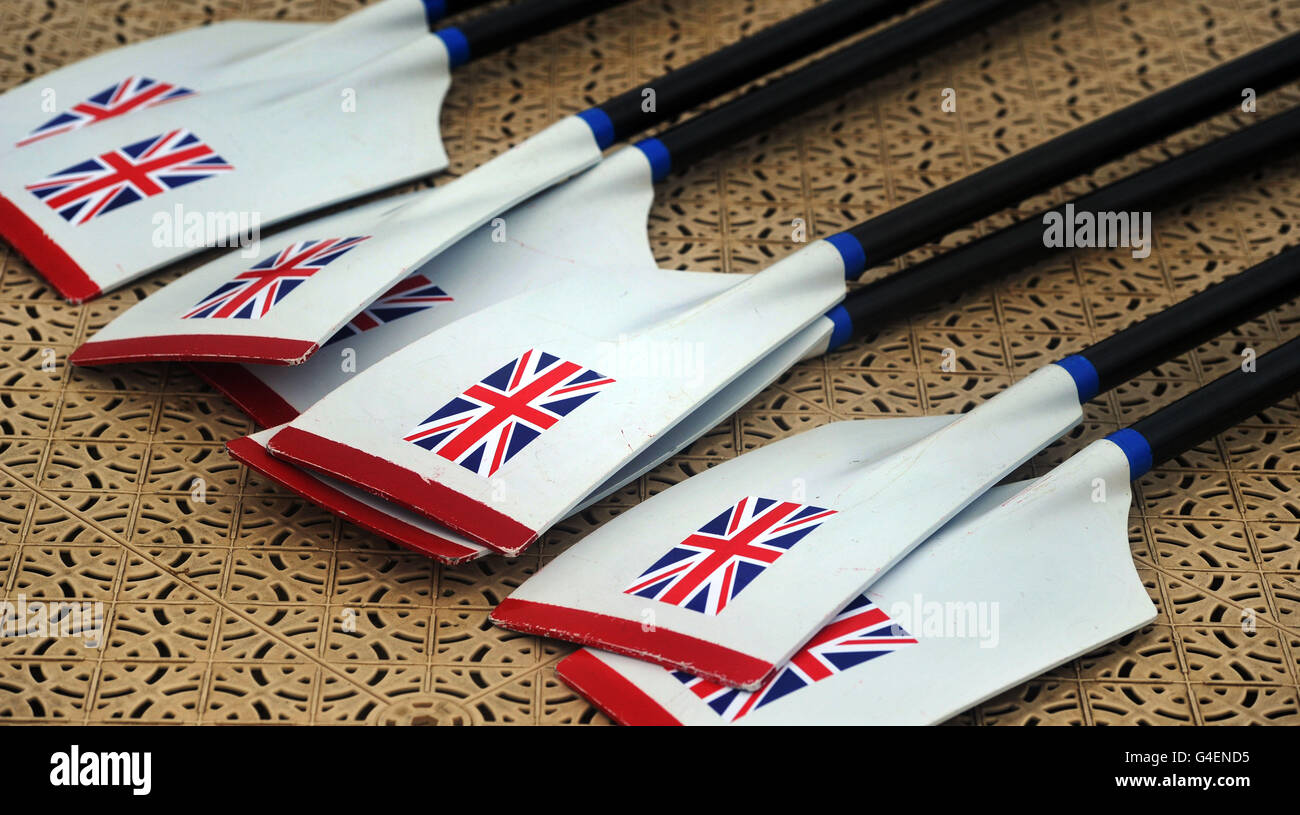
<point>494,419</point>
<point>131,94</point>
<point>119,177</point>
<point>706,571</point>
<point>253,293</point>
<point>859,633</point>
<point>414,294</point>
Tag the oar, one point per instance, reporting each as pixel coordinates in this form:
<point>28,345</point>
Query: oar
<point>267,392</point>
<point>399,525</point>
<point>741,569</point>
<point>278,130</point>
<point>611,200</point>
<point>185,64</point>
<point>233,311</point>
<point>877,304</point>
<point>1030,576</point>
<point>603,329</point>
<point>548,239</point>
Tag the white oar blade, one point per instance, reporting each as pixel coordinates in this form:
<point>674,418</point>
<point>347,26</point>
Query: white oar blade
<point>98,207</point>
<point>166,70</point>
<point>582,226</point>
<point>592,222</point>
<point>736,609</point>
<point>416,532</point>
<point>813,341</point>
<point>326,50</point>
<point>184,66</point>
<point>1030,576</point>
<point>584,597</point>
<point>394,523</point>
<point>520,411</point>
<point>230,294</point>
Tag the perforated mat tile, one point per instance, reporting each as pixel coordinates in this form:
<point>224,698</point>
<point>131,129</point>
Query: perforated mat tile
<point>225,599</point>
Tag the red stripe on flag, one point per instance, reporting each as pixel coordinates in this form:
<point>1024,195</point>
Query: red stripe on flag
<point>506,407</point>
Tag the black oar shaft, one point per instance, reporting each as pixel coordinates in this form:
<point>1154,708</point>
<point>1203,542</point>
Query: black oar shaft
<point>1222,403</point>
<point>1195,320</point>
<point>438,9</point>
<point>763,52</point>
<point>850,67</point>
<point>1064,157</point>
<point>493,31</point>
<point>1023,243</point>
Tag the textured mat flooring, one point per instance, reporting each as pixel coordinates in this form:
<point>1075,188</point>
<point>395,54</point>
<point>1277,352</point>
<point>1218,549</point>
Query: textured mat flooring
<point>250,606</point>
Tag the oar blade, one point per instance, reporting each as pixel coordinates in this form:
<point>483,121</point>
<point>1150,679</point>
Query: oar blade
<point>602,596</point>
<point>169,69</point>
<point>96,207</point>
<point>811,342</point>
<point>1030,576</point>
<point>225,310</point>
<point>310,287</point>
<point>394,523</point>
<point>751,593</point>
<point>421,534</point>
<point>522,410</point>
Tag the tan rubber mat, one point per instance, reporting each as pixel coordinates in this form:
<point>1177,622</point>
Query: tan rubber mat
<point>225,599</point>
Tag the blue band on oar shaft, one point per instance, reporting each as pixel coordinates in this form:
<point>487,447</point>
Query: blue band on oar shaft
<point>1136,449</point>
<point>602,127</point>
<point>656,152</point>
<point>1085,376</point>
<point>855,257</point>
<point>843,326</point>
<point>457,45</point>
<point>434,10</point>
